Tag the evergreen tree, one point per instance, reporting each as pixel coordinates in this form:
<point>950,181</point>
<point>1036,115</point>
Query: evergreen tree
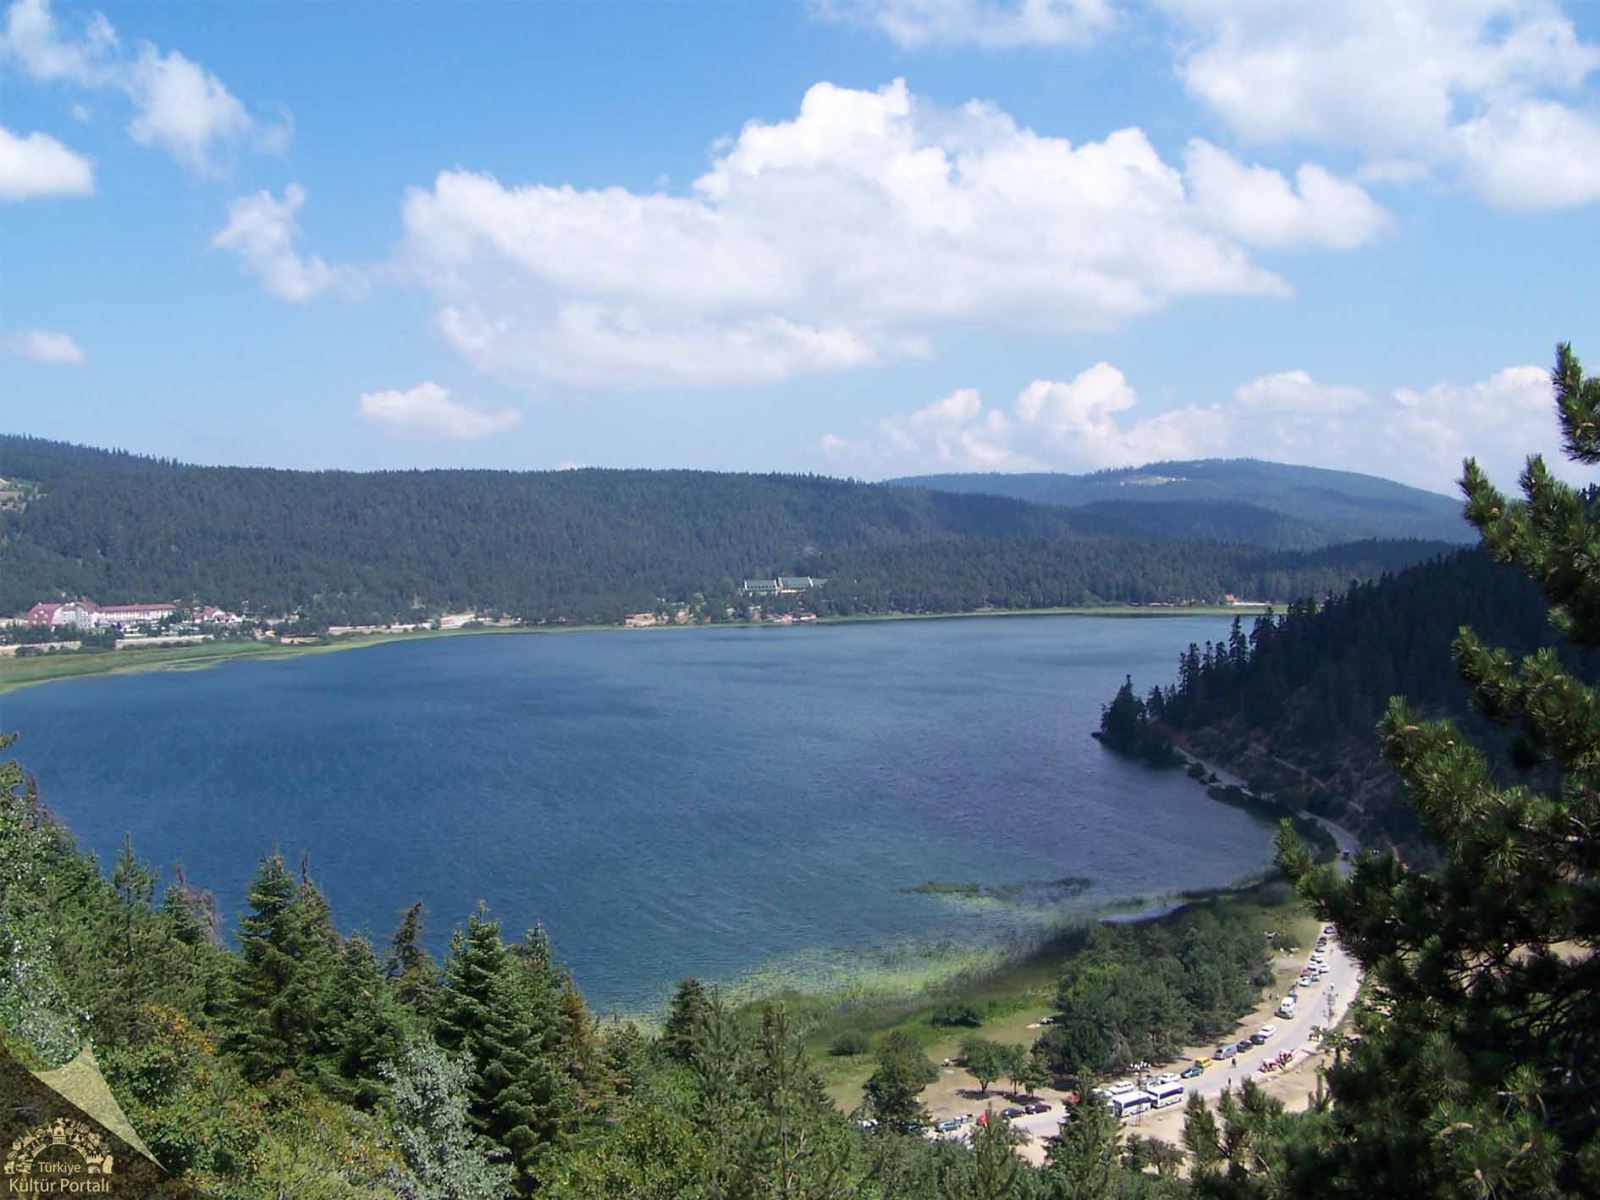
<point>1201,1137</point>
<point>492,1010</point>
<point>892,1092</point>
<point>410,967</point>
<point>137,935</point>
<point>182,910</point>
<point>1081,1160</point>
<point>686,1017</point>
<point>1479,1066</point>
<point>274,1007</point>
<point>444,1158</point>
<point>800,1151</point>
<point>995,1171</point>
<point>365,1026</point>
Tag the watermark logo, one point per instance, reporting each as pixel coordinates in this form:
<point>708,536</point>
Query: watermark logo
<point>59,1157</point>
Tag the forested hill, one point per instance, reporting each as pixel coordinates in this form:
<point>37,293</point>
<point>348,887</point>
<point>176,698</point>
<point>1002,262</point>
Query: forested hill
<point>1233,500</point>
<point>587,544</point>
<point>1293,704</point>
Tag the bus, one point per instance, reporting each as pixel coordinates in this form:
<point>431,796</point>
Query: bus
<point>1165,1095</point>
<point>1131,1104</point>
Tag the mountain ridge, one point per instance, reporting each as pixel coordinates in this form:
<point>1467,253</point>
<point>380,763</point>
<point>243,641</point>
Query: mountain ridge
<point>1324,506</point>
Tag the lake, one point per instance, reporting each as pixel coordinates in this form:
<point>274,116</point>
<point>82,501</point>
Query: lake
<point>716,802</point>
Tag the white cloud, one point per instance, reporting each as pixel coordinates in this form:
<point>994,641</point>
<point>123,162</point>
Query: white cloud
<point>182,108</point>
<point>955,433</point>
<point>1262,208</point>
<point>1072,425</point>
<point>35,164</point>
<point>994,23</point>
<point>1490,88</point>
<point>1089,423</point>
<point>262,230</point>
<point>34,42</point>
<point>1297,392</point>
<point>1499,421</point>
<point>178,106</point>
<point>1533,155</point>
<point>428,410</point>
<point>43,346</point>
<point>849,235</point>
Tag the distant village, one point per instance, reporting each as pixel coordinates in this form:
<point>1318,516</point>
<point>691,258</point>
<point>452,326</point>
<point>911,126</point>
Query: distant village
<point>59,626</point>
<point>56,626</point>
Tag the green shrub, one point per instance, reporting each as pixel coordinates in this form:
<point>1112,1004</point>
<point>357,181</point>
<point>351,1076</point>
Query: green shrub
<point>850,1042</point>
<point>956,1012</point>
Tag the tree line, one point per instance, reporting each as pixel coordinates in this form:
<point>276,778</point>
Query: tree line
<point>589,545</point>
<point>1291,703</point>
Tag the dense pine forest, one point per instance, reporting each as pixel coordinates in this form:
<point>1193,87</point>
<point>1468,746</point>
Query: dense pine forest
<point>591,545</point>
<point>1290,704</point>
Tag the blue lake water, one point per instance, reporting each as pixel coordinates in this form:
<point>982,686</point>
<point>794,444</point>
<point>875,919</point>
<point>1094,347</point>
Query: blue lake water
<point>667,803</point>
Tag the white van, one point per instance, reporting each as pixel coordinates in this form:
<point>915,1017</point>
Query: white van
<point>1286,1007</point>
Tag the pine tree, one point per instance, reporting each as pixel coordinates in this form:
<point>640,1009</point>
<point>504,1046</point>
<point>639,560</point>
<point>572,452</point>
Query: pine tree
<point>262,1036</point>
<point>996,1172</point>
<point>364,1026</point>
<point>137,939</point>
<point>686,1017</point>
<point>1081,1160</point>
<point>180,909</point>
<point>1479,1065</point>
<point>410,967</point>
<point>800,1150</point>
<point>492,1009</point>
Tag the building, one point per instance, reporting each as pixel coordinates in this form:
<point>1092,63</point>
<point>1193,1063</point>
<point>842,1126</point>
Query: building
<point>73,613</point>
<point>86,614</point>
<point>783,585</point>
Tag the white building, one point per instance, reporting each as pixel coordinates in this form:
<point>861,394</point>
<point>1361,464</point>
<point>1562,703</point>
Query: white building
<point>86,614</point>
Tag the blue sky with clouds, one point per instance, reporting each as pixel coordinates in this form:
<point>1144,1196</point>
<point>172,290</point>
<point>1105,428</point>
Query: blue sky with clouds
<point>866,237</point>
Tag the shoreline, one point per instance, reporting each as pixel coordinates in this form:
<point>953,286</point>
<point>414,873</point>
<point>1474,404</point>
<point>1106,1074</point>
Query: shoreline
<point>18,673</point>
<point>859,990</point>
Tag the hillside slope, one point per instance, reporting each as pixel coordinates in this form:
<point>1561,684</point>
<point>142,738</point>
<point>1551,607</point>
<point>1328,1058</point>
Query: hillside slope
<point>1316,506</point>
<point>1293,704</point>
<point>584,545</point>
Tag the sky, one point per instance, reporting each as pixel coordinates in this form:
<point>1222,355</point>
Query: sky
<point>854,237</point>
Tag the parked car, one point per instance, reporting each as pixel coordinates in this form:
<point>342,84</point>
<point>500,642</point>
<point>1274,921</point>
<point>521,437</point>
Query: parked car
<point>1191,1072</point>
<point>948,1126</point>
<point>1038,1106</point>
<point>1011,1114</point>
<point>1226,1050</point>
<point>1260,1036</point>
